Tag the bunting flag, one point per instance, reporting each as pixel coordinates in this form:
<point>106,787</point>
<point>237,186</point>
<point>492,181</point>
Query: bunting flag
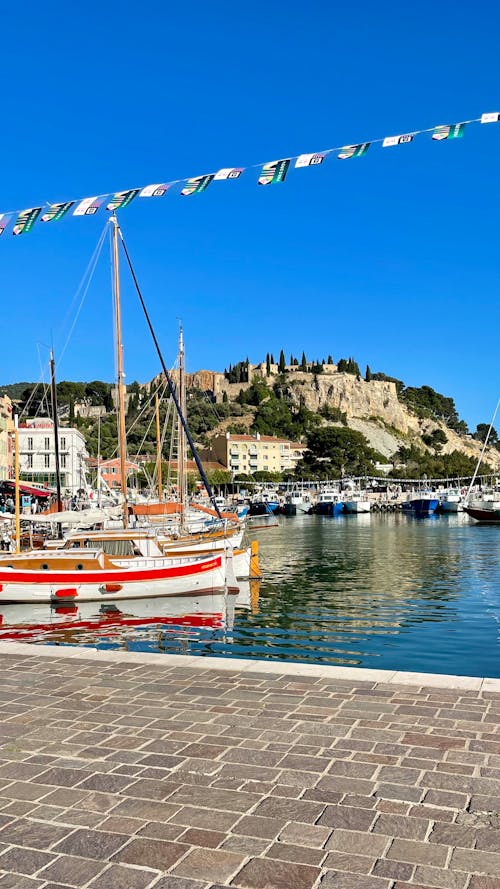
<point>56,212</point>
<point>228,173</point>
<point>397,140</point>
<point>122,199</point>
<point>4,221</point>
<point>154,191</point>
<point>454,131</point>
<point>349,151</point>
<point>26,220</point>
<point>309,160</point>
<point>269,174</point>
<point>88,207</point>
<point>197,184</point>
<point>273,172</point>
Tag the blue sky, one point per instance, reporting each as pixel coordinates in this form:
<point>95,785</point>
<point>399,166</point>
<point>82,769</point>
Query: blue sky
<point>392,258</point>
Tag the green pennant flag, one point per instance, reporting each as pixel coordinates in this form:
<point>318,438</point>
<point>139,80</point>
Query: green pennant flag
<point>122,199</point>
<point>56,212</point>
<point>26,220</point>
<point>197,184</point>
<point>273,172</point>
<point>454,131</point>
<point>349,151</point>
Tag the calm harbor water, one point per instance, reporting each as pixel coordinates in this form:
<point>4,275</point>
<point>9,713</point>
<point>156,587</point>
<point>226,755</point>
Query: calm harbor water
<point>386,591</point>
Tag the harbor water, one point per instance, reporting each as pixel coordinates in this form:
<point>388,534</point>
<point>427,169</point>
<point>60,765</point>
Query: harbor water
<point>386,591</point>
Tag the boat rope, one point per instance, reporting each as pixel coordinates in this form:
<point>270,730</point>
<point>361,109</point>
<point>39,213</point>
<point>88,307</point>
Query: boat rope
<point>169,380</point>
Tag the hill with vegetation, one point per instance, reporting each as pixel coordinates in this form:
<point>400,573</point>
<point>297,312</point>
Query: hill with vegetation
<point>353,423</point>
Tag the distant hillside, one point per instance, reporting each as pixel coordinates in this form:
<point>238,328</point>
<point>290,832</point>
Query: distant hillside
<point>415,428</point>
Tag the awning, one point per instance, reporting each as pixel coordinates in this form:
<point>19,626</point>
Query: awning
<point>26,489</point>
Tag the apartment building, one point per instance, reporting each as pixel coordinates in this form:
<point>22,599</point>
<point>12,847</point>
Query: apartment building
<point>5,440</point>
<point>256,453</point>
<point>37,460</point>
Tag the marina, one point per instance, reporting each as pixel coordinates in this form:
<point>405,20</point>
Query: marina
<point>380,590</point>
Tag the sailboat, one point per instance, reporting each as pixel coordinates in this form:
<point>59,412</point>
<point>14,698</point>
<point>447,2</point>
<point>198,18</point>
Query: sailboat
<point>140,569</point>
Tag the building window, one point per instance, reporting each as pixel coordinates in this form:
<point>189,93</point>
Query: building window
<point>63,444</point>
<point>30,461</point>
<point>30,444</point>
<point>47,461</point>
<point>63,461</point>
<point>47,444</point>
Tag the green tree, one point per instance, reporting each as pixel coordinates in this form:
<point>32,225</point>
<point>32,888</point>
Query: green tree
<point>481,434</point>
<point>225,399</point>
<point>329,360</point>
<point>268,365</point>
<point>303,363</point>
<point>368,374</point>
<point>335,451</point>
<point>282,363</point>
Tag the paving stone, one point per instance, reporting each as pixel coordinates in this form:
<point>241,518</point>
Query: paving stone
<point>418,853</point>
<point>262,873</point>
<point>35,834</point>
<point>72,871</point>
<point>472,861</point>
<point>299,854</point>
<point>290,810</point>
<point>255,826</point>
<point>157,854</point>
<point>358,842</point>
<point>251,846</point>
<point>394,870</point>
<point>347,817</point>
<point>120,877</point>
<point>24,861</point>
<point>443,879</point>
<point>338,880</point>
<point>91,844</point>
<point>403,827</point>
<point>305,834</point>
<point>196,836</point>
<point>215,865</point>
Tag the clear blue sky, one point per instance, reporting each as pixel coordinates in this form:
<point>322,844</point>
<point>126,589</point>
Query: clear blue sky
<point>393,258</point>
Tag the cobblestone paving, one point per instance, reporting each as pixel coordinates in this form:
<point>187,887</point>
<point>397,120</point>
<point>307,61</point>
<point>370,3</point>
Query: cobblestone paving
<point>122,775</point>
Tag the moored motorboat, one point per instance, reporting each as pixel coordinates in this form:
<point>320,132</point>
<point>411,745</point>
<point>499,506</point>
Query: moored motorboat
<point>357,504</point>
<point>426,503</point>
<point>329,502</point>
<point>485,508</point>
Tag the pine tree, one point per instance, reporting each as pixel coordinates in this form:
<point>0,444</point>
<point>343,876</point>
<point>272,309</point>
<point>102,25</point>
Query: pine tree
<point>303,363</point>
<point>268,365</point>
<point>329,360</point>
<point>368,374</point>
<point>282,364</point>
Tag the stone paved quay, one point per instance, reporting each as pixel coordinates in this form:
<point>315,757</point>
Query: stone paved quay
<point>128,771</point>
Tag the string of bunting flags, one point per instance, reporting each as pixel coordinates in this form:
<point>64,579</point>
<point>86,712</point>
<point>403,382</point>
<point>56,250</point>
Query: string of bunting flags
<point>271,173</point>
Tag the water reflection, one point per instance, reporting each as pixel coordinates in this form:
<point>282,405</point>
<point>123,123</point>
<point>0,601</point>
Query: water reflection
<point>372,590</point>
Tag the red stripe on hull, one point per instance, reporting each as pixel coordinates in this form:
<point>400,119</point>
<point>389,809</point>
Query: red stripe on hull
<point>117,576</point>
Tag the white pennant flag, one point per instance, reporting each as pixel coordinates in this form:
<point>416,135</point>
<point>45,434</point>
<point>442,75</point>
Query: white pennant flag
<point>309,160</point>
<point>154,191</point>
<point>397,140</point>
<point>228,173</point>
<point>490,117</point>
<point>87,207</point>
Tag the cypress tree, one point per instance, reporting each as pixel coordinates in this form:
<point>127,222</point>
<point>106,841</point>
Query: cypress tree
<point>268,365</point>
<point>303,363</point>
<point>329,360</point>
<point>282,364</point>
<point>368,374</point>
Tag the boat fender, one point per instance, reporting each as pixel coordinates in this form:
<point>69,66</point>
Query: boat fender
<point>110,588</point>
<point>69,593</point>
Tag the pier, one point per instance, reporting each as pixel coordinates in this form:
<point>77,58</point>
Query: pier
<point>121,770</point>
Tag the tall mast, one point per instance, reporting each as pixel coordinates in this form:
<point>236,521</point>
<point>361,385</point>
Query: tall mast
<point>158,448</point>
<point>55,420</point>
<point>182,475</point>
<point>122,442</point>
<point>99,480</point>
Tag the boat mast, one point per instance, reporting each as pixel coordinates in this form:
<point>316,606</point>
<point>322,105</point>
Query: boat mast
<point>158,448</point>
<point>55,421</point>
<point>122,442</point>
<point>98,480</point>
<point>182,456</point>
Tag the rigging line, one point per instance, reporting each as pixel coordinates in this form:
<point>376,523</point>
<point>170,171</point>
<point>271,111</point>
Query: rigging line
<point>89,271</point>
<point>147,404</point>
<point>150,422</point>
<point>170,383</point>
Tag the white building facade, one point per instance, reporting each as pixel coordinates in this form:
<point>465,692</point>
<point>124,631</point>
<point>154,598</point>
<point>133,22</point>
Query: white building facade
<point>37,460</point>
